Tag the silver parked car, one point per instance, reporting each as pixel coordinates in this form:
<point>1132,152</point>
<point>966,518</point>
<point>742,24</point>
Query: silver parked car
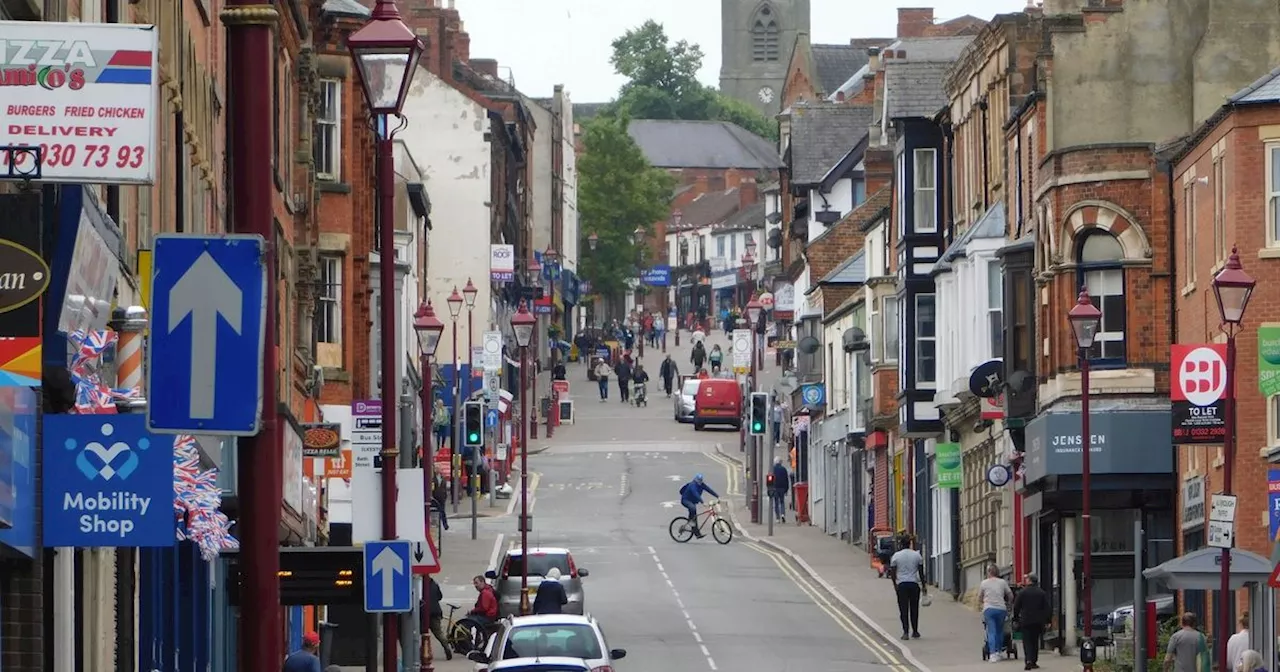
<point>683,400</point>
<point>506,579</point>
<point>548,637</point>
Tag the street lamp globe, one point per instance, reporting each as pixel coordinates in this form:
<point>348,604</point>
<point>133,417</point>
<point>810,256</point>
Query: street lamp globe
<point>592,241</point>
<point>751,245</point>
<point>550,256</point>
<point>754,308</point>
<point>1233,287</point>
<point>428,327</point>
<point>469,293</point>
<point>1085,319</point>
<point>455,303</point>
<point>386,54</point>
<point>522,323</point>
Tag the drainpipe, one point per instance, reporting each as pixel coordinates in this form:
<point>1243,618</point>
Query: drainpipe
<point>986,155</point>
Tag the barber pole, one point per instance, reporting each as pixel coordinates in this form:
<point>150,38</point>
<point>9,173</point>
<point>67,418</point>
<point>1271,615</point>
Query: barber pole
<point>130,323</point>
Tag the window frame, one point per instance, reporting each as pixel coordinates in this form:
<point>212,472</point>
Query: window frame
<point>891,353</point>
<point>918,191</point>
<point>916,373</point>
<point>329,299</point>
<point>1189,230</point>
<point>1273,421</point>
<point>900,176</point>
<point>995,313</point>
<point>328,124</point>
<point>1219,209</point>
<point>1083,270</point>
<point>1272,193</point>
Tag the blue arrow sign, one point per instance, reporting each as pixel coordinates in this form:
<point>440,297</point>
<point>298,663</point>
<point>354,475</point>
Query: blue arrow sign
<point>491,418</point>
<point>388,577</point>
<point>209,304</point>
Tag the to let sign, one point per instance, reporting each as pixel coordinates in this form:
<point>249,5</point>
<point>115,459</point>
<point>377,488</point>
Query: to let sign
<point>1199,392</point>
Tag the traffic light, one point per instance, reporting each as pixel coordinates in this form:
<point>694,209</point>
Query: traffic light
<point>473,424</point>
<point>759,413</point>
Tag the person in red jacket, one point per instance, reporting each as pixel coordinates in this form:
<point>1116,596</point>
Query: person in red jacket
<point>486,609</point>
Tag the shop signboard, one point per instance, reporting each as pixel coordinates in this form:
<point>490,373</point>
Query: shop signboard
<point>1121,441</point>
<point>85,94</point>
<point>1269,359</point>
<point>1193,503</point>
<point>1273,503</point>
<point>502,263</point>
<point>947,465</point>
<point>1198,391</point>
<point>108,482</point>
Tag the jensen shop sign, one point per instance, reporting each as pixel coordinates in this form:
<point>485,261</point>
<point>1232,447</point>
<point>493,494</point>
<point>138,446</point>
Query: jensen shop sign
<point>1198,390</point>
<point>108,482</point>
<point>1120,442</point>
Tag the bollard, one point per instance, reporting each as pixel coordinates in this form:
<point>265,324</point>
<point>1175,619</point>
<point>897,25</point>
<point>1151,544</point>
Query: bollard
<point>130,323</point>
<point>475,494</point>
<point>493,488</point>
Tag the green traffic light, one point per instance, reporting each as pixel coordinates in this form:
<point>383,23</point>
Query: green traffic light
<point>474,437</point>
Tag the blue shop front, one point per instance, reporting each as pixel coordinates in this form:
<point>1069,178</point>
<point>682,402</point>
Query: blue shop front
<point>1131,481</point>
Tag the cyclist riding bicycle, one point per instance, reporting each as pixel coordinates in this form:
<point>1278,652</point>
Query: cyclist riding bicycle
<point>691,497</point>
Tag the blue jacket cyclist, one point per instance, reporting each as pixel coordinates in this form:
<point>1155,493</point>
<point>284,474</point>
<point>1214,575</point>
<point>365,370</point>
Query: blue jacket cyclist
<point>691,497</point>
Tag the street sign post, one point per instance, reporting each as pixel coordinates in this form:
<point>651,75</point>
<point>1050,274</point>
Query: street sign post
<point>425,558</point>
<point>209,306</point>
<point>388,581</point>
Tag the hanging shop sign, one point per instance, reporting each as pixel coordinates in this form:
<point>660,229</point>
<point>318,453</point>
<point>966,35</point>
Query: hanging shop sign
<point>23,276</point>
<point>502,263</point>
<point>1269,359</point>
<point>322,440</point>
<point>999,475</point>
<point>1198,392</point>
<point>108,482</point>
<point>948,465</point>
<point>85,94</point>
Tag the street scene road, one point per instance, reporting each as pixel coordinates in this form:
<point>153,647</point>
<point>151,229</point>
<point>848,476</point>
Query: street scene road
<point>607,486</point>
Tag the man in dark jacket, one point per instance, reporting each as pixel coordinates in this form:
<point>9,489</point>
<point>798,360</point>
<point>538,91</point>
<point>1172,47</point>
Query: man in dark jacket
<point>1031,611</point>
<point>436,612</point>
<point>667,372</point>
<point>779,486</point>
<point>699,355</point>
<point>623,372</point>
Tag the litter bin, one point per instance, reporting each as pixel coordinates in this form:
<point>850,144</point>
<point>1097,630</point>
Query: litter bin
<point>802,502</point>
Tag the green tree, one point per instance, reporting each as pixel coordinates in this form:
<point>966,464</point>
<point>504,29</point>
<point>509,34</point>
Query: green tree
<point>618,192</point>
<point>662,83</point>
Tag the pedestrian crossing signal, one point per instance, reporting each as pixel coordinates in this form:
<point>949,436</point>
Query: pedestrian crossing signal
<point>473,424</point>
<point>759,412</point>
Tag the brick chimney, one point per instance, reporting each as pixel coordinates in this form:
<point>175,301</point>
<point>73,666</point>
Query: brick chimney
<point>485,66</point>
<point>914,21</point>
<point>839,96</point>
<point>878,165</point>
<point>748,194</point>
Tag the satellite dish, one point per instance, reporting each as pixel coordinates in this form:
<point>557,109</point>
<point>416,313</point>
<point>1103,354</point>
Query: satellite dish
<point>854,339</point>
<point>808,345</point>
<point>987,378</point>
<point>1020,381</point>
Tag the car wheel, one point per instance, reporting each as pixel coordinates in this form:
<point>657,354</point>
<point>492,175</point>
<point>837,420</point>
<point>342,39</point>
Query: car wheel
<point>697,426</point>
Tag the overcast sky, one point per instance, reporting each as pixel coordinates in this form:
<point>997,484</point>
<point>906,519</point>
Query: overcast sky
<point>549,42</point>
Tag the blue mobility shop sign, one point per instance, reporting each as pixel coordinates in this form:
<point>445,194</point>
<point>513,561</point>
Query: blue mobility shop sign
<point>108,482</point>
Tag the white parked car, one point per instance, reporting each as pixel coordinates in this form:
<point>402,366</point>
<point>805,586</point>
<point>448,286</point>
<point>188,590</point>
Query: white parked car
<point>546,637</point>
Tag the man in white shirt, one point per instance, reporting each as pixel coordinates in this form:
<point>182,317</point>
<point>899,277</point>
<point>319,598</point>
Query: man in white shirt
<point>906,568</point>
<point>1238,643</point>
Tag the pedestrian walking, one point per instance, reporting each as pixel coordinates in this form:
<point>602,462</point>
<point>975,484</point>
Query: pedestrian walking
<point>623,371</point>
<point>1238,643</point>
<point>906,569</point>
<point>440,421</point>
<point>668,372</point>
<point>780,486</point>
<point>775,419</point>
<point>1031,612</point>
<point>1188,650</point>
<point>439,494</point>
<point>602,379</point>
<point>995,596</point>
<point>306,658</point>
<point>551,596</point>
<point>435,613</point>
<point>699,355</point>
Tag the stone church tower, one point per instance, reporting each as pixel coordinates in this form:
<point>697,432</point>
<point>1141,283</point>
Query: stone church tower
<point>755,48</point>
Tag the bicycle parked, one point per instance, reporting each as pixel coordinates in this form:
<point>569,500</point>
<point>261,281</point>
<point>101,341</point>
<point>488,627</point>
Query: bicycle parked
<point>682,527</point>
<point>465,634</point>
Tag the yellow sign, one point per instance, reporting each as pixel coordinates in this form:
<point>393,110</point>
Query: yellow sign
<point>144,277</point>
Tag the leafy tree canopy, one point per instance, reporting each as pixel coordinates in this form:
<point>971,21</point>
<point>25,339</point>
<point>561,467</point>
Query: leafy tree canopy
<point>662,83</point>
<point>618,192</point>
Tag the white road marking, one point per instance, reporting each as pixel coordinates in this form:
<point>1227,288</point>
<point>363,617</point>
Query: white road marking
<point>497,549</point>
<point>693,629</point>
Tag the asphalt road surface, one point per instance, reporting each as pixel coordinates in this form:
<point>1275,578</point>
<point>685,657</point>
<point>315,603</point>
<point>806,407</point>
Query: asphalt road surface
<point>607,489</point>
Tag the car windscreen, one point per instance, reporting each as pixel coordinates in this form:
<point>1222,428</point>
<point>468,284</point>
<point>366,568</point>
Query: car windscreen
<point>544,667</point>
<point>564,640</point>
<point>690,388</point>
<point>539,564</point>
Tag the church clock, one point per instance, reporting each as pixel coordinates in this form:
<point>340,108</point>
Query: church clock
<point>765,94</point>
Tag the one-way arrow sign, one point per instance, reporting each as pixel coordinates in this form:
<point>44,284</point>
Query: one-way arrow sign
<point>209,303</point>
<point>425,558</point>
<point>387,583</point>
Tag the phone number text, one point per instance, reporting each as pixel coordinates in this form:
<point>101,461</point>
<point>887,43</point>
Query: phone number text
<point>69,155</point>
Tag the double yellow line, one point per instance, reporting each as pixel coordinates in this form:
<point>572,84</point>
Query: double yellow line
<point>815,593</point>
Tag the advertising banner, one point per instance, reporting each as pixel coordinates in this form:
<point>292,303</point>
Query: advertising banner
<point>108,482</point>
<point>947,463</point>
<point>322,440</point>
<point>1273,502</point>
<point>657,276</point>
<point>1269,359</point>
<point>502,263</point>
<point>1198,392</point>
<point>85,94</point>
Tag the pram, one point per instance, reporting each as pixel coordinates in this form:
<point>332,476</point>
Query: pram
<point>1010,647</point>
<point>639,397</point>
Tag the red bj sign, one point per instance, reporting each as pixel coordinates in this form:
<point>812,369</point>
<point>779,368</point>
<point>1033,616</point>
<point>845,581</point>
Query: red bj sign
<point>1198,383</point>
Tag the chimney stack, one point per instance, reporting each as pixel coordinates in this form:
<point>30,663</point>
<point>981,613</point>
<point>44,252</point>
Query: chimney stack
<point>873,58</point>
<point>748,194</point>
<point>914,21</point>
<point>839,96</point>
<point>485,66</point>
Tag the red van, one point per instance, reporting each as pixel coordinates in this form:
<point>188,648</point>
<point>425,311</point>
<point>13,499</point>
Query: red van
<point>718,402</point>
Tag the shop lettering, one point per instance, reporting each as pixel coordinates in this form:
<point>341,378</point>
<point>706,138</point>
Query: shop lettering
<point>46,53</point>
<point>107,514</point>
<point>1074,443</point>
<point>63,131</point>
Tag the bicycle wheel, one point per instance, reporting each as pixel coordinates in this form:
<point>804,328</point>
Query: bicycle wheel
<point>680,529</point>
<point>461,638</point>
<point>722,530</point>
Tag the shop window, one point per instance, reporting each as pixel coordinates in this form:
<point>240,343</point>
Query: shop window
<point>1101,273</point>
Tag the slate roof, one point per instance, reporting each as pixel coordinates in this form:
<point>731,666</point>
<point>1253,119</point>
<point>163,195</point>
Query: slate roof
<point>750,217</point>
<point>821,134</point>
<point>834,63</point>
<point>991,225</point>
<point>852,272</point>
<point>914,90</point>
<point>1265,90</point>
<point>919,50</point>
<point>709,208</point>
<point>702,144</point>
<point>345,8</point>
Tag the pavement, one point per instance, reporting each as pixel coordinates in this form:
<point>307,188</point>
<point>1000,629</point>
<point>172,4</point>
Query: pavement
<point>607,487</point>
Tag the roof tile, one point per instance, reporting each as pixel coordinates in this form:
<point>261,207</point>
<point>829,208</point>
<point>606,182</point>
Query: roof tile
<point>669,143</point>
<point>821,135</point>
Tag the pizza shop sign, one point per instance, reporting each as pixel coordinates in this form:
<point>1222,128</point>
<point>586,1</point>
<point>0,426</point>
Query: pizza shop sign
<point>322,440</point>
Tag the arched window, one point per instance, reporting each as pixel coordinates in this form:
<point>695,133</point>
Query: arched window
<point>1100,271</point>
<point>764,36</point>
